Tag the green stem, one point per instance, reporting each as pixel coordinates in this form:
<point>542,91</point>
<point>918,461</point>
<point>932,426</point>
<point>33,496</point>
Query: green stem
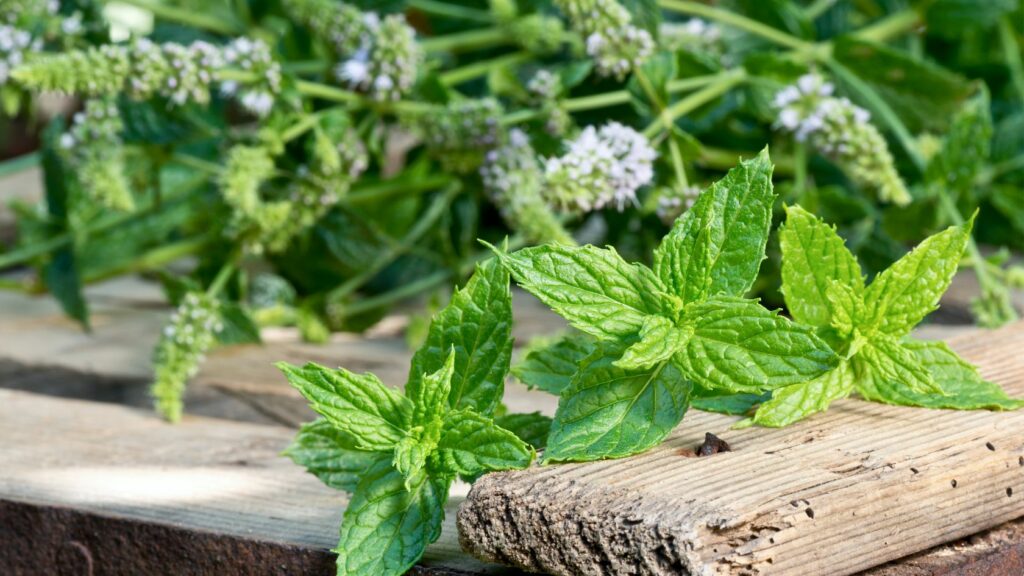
<point>23,162</point>
<point>451,10</point>
<point>800,163</point>
<point>305,66</point>
<point>222,277</point>
<point>467,40</point>
<point>818,7</point>
<point>301,127</point>
<point>723,84</point>
<point>892,25</point>
<point>188,17</point>
<point>477,69</point>
<point>377,192</point>
<point>667,123</point>
<point>153,259</point>
<point>737,21</point>
<point>521,116</point>
<point>1011,51</point>
<point>327,92</point>
<point>414,235</point>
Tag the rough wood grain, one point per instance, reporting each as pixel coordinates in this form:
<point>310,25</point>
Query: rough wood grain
<point>204,475</point>
<point>836,494</point>
<point>42,351</point>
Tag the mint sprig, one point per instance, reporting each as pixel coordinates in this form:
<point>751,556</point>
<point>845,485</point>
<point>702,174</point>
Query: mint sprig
<point>869,325</point>
<point>398,454</point>
<point>659,331</point>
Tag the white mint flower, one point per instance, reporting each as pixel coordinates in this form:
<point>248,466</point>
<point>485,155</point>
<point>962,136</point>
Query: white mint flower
<point>610,38</point>
<point>602,167</point>
<point>842,131</point>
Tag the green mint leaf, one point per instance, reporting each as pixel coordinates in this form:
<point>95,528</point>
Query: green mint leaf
<point>659,340</point>
<point>359,405</point>
<point>965,389</point>
<point>430,396</point>
<point>477,323</point>
<point>327,453</point>
<point>902,295</point>
<point>847,307</point>
<point>610,412</point>
<point>472,444</point>
<point>739,346</point>
<point>386,528</point>
<point>717,245</point>
<point>886,370</point>
<point>551,368</point>
<point>593,288</point>
<point>410,457</point>
<point>966,148</point>
<point>532,427</point>
<point>724,402</point>
<point>813,255</point>
<point>792,403</point>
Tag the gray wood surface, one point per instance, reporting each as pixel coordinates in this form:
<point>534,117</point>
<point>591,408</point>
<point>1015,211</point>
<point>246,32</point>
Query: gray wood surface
<point>838,493</point>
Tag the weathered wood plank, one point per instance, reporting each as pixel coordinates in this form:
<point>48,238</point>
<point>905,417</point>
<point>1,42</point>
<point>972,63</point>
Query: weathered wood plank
<point>836,494</point>
<point>72,468</point>
<point>46,350</point>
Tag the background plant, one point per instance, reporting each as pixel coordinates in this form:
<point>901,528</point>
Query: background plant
<point>350,154</point>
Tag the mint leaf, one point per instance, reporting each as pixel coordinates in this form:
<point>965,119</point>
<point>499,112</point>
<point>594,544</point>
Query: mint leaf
<point>725,402</point>
<point>965,389</point>
<point>359,405</point>
<point>551,368</point>
<point>659,340</point>
<point>886,370</point>
<point>532,427</point>
<point>477,323</point>
<point>902,295</point>
<point>609,412</point>
<point>847,307</point>
<point>386,528</point>
<point>410,457</point>
<point>593,288</point>
<point>966,148</point>
<point>792,403</point>
<point>718,244</point>
<point>472,444</point>
<point>813,255</point>
<point>738,345</point>
<point>430,395</point>
<point>326,452</point>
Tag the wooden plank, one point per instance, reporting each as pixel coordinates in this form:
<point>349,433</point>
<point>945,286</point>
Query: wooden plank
<point>838,493</point>
<point>43,351</point>
<point>115,479</point>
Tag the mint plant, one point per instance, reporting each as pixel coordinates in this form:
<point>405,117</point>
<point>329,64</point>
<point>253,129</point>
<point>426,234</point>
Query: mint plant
<point>869,325</point>
<point>657,333</point>
<point>399,454</point>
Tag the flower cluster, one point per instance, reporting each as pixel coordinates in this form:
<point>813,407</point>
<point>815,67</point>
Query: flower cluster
<point>602,167</point>
<point>253,221</point>
<point>842,131</point>
<point>191,332</point>
<point>513,179</point>
<point>337,159</point>
<point>15,44</point>
<point>253,56</point>
<point>615,44</point>
<point>145,69</point>
<point>545,90</point>
<point>694,34</point>
<point>344,26</point>
<point>461,133</point>
<point>93,147</point>
<point>385,65</point>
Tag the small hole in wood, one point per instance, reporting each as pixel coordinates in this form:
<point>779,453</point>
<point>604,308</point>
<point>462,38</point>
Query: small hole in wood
<point>1020,461</point>
<point>953,483</point>
<point>794,503</point>
<point>990,446</point>
<point>809,512</point>
<point>770,560</point>
<point>914,470</point>
<point>771,540</point>
<point>1009,492</point>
